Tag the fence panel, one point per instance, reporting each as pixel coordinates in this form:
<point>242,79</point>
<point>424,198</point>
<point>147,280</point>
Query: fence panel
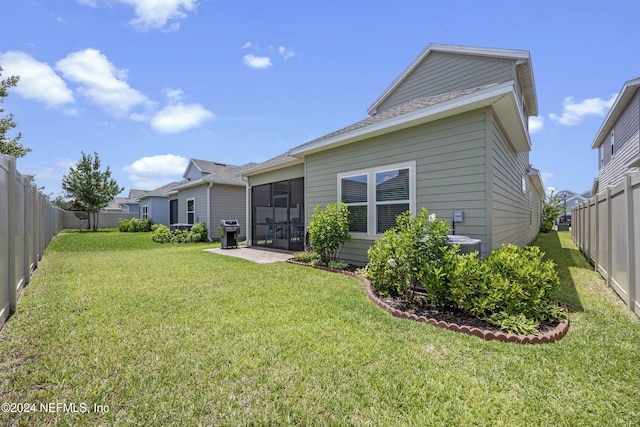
<point>4,240</point>
<point>607,231</point>
<point>27,223</point>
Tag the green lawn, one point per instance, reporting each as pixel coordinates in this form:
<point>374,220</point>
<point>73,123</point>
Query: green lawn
<point>174,335</point>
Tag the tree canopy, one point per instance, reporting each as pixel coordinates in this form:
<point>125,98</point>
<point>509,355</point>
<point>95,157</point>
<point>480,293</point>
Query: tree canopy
<point>90,188</point>
<point>8,146</point>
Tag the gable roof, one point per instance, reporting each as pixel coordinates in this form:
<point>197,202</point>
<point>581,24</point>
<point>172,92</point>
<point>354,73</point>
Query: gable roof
<point>502,97</point>
<point>204,166</point>
<point>619,105</point>
<point>521,57</point>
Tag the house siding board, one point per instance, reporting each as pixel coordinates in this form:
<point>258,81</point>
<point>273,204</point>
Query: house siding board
<point>227,202</point>
<point>449,157</point>
<point>159,207</point>
<point>626,145</point>
<point>445,72</point>
<point>199,193</point>
<point>511,220</point>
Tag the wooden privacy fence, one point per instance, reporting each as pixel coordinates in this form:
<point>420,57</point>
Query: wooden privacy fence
<point>606,228</point>
<point>27,223</point>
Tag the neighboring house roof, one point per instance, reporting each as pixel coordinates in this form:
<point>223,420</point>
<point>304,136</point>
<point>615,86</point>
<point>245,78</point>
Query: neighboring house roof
<point>523,69</point>
<point>619,105</point>
<point>502,97</point>
<point>161,191</point>
<point>221,174</point>
<point>204,167</point>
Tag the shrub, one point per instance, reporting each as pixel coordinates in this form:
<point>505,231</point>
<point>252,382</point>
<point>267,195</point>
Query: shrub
<point>512,288</point>
<point>329,230</point>
<point>199,232</point>
<point>135,225</point>
<point>338,265</point>
<point>412,253</point>
<point>519,284</point>
<point>310,257</point>
<point>162,234</point>
<point>551,209</point>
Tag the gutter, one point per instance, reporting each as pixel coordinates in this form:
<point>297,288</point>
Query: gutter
<point>209,211</point>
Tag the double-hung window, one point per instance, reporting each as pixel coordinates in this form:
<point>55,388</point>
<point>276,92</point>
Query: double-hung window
<point>145,212</point>
<point>376,196</point>
<point>191,211</point>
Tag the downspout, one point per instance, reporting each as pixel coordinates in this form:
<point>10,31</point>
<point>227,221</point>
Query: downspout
<point>209,211</point>
<point>247,213</point>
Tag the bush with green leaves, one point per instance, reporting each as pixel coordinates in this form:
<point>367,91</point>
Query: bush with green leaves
<point>521,282</point>
<point>135,225</point>
<point>551,209</point>
<point>329,230</point>
<point>513,287</point>
<point>162,234</point>
<point>309,257</point>
<point>411,254</point>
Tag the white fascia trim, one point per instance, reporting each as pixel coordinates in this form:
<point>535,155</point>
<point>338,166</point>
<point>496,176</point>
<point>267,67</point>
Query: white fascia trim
<point>518,55</point>
<point>479,99</point>
<point>271,166</point>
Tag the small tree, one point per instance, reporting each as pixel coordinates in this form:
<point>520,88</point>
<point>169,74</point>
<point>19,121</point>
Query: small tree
<point>329,230</point>
<point>10,147</point>
<point>90,188</point>
<point>551,209</point>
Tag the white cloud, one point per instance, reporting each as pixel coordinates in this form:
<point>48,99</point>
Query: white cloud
<point>174,95</point>
<point>165,164</point>
<point>286,53</point>
<point>38,81</point>
<point>154,14</point>
<point>178,117</point>
<point>155,171</point>
<point>535,124</point>
<point>254,61</point>
<point>101,81</point>
<point>573,112</point>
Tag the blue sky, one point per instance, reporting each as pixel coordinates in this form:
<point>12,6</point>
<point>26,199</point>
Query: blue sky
<point>149,84</point>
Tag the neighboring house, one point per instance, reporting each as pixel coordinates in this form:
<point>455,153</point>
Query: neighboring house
<point>449,134</point>
<point>618,140</point>
<point>210,192</point>
<point>569,199</point>
<point>125,204</point>
<point>154,205</point>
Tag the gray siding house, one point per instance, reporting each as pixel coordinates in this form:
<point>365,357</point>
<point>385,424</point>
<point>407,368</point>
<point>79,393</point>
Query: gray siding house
<point>618,140</point>
<point>209,192</point>
<point>449,134</point>
<point>154,204</point>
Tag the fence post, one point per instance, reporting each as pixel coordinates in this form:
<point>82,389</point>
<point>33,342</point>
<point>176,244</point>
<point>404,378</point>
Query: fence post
<point>596,247</point>
<point>609,241</point>
<point>11,219</point>
<point>631,256</point>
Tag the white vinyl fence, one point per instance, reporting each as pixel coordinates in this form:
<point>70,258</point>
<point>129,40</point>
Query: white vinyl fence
<point>27,223</point>
<point>606,228</point>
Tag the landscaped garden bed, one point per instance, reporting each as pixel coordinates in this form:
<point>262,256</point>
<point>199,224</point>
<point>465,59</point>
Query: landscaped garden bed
<point>414,273</point>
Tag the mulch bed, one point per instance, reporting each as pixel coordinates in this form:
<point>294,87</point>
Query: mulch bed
<point>453,320</point>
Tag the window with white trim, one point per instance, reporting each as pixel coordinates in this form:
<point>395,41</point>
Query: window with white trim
<point>612,142</point>
<point>145,212</point>
<point>376,196</point>
<point>191,211</point>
